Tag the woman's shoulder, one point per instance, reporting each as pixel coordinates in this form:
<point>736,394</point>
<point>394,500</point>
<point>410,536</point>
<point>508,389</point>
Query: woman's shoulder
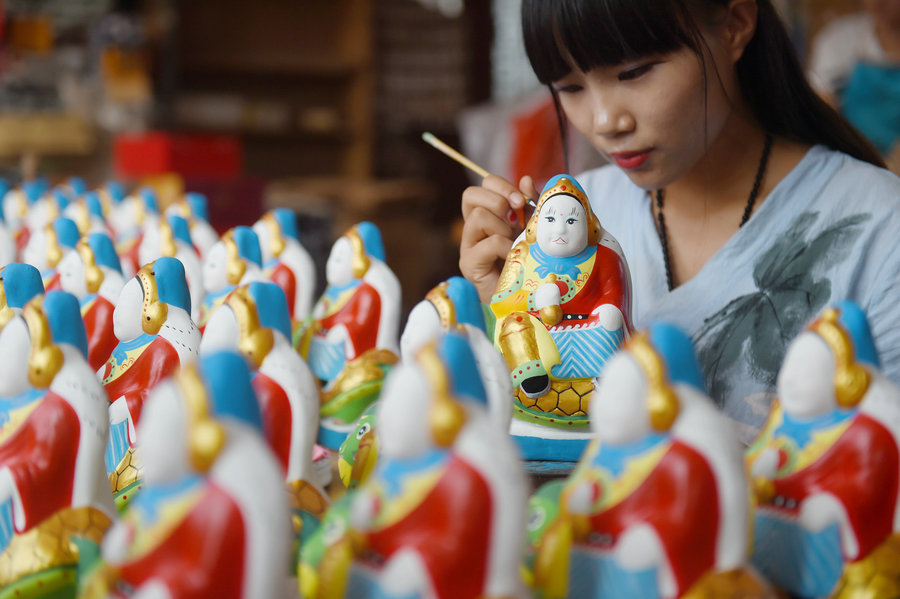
<point>849,176</point>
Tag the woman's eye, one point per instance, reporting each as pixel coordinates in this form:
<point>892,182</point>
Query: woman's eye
<point>629,74</point>
<point>568,89</point>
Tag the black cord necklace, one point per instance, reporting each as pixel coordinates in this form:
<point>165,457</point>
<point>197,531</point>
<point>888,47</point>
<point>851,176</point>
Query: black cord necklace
<point>748,209</point>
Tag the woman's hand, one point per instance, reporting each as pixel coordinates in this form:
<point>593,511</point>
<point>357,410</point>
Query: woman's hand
<point>490,213</point>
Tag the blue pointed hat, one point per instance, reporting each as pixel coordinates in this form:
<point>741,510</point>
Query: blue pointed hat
<point>271,305</point>
<point>77,185</point>
<point>33,190</point>
<point>4,189</point>
<point>371,239</point>
<point>227,379</point>
<point>104,251</point>
<point>180,229</point>
<point>287,220</point>
<point>94,206</point>
<point>61,198</point>
<point>676,351</point>
<point>854,322</point>
<point>553,181</point>
<point>466,302</point>
<point>63,314</point>
<point>198,205</point>
<point>67,233</point>
<point>115,190</point>
<point>462,370</point>
<point>247,243</point>
<point>171,283</point>
<point>148,196</point>
<point>21,282</point>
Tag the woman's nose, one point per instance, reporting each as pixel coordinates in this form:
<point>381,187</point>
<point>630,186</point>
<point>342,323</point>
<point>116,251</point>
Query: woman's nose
<point>611,119</point>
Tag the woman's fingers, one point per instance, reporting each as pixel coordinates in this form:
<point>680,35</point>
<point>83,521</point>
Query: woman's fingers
<point>495,194</point>
<point>481,263</point>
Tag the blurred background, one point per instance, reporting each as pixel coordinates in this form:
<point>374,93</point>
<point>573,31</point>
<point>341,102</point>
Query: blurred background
<point>317,105</point>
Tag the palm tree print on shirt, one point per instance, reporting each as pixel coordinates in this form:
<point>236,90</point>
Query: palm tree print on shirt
<point>792,286</point>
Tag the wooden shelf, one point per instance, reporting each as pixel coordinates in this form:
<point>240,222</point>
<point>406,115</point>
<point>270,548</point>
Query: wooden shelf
<point>294,58</point>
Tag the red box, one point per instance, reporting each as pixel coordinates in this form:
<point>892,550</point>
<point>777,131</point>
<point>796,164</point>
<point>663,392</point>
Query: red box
<point>189,155</point>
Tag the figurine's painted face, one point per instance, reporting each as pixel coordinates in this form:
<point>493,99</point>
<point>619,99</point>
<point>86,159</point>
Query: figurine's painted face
<point>339,267</point>
<point>123,217</point>
<point>127,314</point>
<point>424,325</point>
<point>215,268</point>
<point>41,214</point>
<point>618,409</point>
<point>15,344</point>
<point>71,275</point>
<point>163,435</point>
<point>402,414</point>
<point>562,229</point>
<point>806,380</point>
<point>35,251</point>
<point>221,332</point>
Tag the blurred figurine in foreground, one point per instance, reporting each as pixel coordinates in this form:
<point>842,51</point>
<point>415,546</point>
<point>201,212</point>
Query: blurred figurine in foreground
<point>659,505</point>
<point>213,520</point>
<point>55,502</point>
<point>826,467</point>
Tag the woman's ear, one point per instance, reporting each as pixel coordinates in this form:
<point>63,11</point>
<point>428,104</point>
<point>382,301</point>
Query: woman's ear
<point>740,26</point>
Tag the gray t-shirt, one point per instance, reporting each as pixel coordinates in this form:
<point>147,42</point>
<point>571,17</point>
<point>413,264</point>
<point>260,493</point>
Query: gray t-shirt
<point>829,231</point>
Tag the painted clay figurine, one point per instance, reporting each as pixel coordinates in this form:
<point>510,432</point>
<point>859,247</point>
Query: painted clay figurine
<point>285,261</point>
<point>826,467</point>
<point>8,250</point>
<point>562,308</point>
<point>451,306</point>
<point>47,208</point>
<point>128,219</point>
<point>93,274</point>
<point>171,237</point>
<point>16,204</point>
<point>254,321</point>
<point>213,520</point>
<point>55,503</point>
<point>193,208</point>
<point>234,260</point>
<point>351,342</point>
<point>87,212</point>
<point>659,505</point>
<point>156,336</point>
<point>442,515</point>
<point>18,284</point>
<point>47,246</point>
<point>454,305</point>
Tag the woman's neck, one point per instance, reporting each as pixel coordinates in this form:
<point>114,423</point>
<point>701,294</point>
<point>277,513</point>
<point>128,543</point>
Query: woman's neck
<point>704,208</point>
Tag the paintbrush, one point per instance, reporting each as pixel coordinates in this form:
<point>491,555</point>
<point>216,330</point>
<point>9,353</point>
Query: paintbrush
<point>433,141</point>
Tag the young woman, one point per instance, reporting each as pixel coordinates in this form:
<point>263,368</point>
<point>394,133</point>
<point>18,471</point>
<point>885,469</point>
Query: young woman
<point>744,204</point>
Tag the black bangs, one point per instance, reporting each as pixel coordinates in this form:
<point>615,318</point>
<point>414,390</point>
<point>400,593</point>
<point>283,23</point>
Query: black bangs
<point>602,33</point>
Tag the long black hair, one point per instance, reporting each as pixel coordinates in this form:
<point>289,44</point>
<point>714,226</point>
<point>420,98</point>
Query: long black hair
<point>603,33</point>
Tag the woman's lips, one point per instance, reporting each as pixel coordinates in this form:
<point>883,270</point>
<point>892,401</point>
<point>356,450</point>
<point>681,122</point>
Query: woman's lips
<point>630,160</point>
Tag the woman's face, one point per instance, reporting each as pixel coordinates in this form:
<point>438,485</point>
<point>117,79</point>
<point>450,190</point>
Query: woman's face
<point>649,117</point>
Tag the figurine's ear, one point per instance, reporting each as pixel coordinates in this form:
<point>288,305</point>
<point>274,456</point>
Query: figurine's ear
<point>45,358</point>
<point>255,340</point>
<point>662,401</point>
<point>206,437</point>
<point>235,267</point>
<point>851,379</point>
<point>153,311</point>
<point>446,417</point>
<point>93,276</point>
